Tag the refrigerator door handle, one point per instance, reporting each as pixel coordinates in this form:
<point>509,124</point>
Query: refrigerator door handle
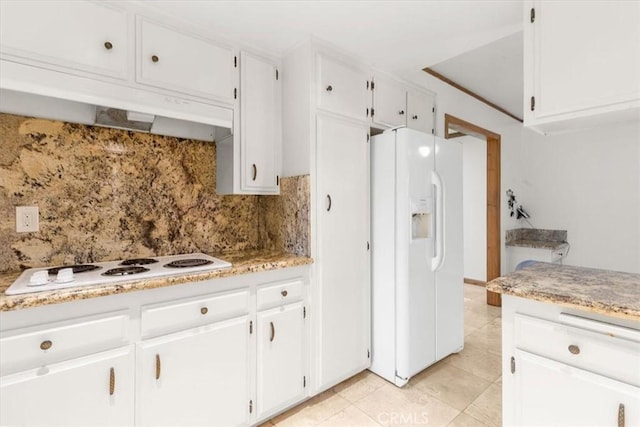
<point>438,254</point>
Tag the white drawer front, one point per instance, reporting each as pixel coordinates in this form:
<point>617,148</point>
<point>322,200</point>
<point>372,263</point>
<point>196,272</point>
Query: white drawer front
<point>279,294</point>
<point>599,352</point>
<point>40,346</point>
<point>175,316</point>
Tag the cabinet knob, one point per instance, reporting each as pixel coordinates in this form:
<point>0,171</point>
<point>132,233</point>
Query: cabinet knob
<point>255,172</point>
<point>574,349</point>
<point>108,45</point>
<point>414,117</point>
<point>401,112</point>
<point>155,58</point>
<point>284,293</point>
<point>46,345</point>
<point>329,88</point>
<point>204,310</point>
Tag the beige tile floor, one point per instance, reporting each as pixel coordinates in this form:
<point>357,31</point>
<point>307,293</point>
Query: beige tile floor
<point>462,390</point>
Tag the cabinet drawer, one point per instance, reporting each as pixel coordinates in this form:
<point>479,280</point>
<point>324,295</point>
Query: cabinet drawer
<point>39,346</point>
<point>168,59</point>
<point>600,352</point>
<point>176,316</point>
<point>342,89</point>
<point>80,35</point>
<point>279,294</point>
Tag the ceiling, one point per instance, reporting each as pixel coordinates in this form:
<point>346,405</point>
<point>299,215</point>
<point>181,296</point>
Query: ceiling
<point>474,43</point>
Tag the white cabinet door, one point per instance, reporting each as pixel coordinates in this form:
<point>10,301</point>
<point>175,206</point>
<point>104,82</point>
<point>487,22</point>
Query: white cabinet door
<point>259,124</point>
<point>95,390</point>
<point>172,60</point>
<point>280,357</point>
<point>552,393</point>
<point>389,102</point>
<point>195,377</point>
<point>342,89</point>
<point>581,58</point>
<point>80,35</point>
<point>420,111</point>
<point>343,296</point>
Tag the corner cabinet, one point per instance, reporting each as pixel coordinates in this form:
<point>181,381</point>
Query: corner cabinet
<point>567,367</point>
<point>248,161</point>
<point>581,63</point>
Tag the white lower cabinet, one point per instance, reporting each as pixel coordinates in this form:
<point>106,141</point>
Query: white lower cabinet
<point>567,367</point>
<point>281,367</point>
<point>95,390</point>
<point>195,377</point>
<point>554,393</point>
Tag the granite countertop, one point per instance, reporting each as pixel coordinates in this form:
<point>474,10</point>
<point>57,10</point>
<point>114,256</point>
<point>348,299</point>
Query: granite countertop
<point>536,238</point>
<point>243,262</point>
<point>612,293</point>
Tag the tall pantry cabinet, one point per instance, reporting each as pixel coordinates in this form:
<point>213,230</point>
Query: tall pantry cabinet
<point>325,134</point>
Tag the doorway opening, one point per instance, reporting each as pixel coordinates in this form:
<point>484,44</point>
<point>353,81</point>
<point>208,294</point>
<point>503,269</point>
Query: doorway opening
<point>454,128</point>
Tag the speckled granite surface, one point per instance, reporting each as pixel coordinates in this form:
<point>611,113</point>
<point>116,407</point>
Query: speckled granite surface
<point>536,238</point>
<point>600,291</point>
<point>248,261</point>
<point>107,194</point>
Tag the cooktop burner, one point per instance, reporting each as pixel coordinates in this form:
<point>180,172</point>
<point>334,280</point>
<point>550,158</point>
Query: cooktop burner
<point>125,271</point>
<point>189,262</point>
<point>78,268</point>
<point>139,261</point>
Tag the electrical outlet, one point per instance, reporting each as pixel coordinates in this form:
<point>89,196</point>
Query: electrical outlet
<point>27,219</point>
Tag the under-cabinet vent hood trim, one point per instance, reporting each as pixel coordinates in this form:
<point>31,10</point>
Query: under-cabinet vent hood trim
<point>82,100</point>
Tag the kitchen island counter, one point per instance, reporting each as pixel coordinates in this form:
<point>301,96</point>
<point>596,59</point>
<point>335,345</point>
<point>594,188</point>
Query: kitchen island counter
<point>243,262</point>
<point>605,292</point>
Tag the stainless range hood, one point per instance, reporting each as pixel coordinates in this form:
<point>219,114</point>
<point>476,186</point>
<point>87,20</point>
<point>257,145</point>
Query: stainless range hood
<point>92,102</point>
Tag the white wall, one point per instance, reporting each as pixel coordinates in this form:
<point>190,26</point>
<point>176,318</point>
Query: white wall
<point>589,184</point>
<point>474,198</point>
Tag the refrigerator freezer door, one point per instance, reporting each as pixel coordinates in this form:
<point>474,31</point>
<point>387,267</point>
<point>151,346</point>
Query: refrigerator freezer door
<point>415,286</point>
<point>449,297</point>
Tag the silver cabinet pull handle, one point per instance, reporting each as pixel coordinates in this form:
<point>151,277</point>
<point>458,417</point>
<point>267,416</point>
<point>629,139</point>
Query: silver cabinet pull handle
<point>158,367</point>
<point>328,203</point>
<point>255,171</point>
<point>621,421</point>
<point>273,332</point>
<point>112,381</point>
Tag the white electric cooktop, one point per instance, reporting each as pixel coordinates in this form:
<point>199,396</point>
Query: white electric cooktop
<point>100,273</point>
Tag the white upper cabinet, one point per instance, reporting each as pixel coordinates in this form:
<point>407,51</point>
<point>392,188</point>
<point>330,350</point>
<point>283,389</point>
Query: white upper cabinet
<point>395,104</point>
<point>342,88</point>
<point>582,63</point>
<point>389,102</point>
<point>185,63</point>
<point>420,111</point>
<point>84,36</point>
<point>248,161</point>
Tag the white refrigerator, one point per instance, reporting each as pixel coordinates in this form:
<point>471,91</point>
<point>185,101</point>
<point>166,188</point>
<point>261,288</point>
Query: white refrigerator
<point>416,252</point>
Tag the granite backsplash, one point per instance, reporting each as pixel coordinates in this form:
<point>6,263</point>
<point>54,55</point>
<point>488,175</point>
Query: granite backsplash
<point>107,194</point>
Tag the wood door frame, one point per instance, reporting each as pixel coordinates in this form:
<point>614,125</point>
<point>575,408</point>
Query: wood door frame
<point>462,128</point>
